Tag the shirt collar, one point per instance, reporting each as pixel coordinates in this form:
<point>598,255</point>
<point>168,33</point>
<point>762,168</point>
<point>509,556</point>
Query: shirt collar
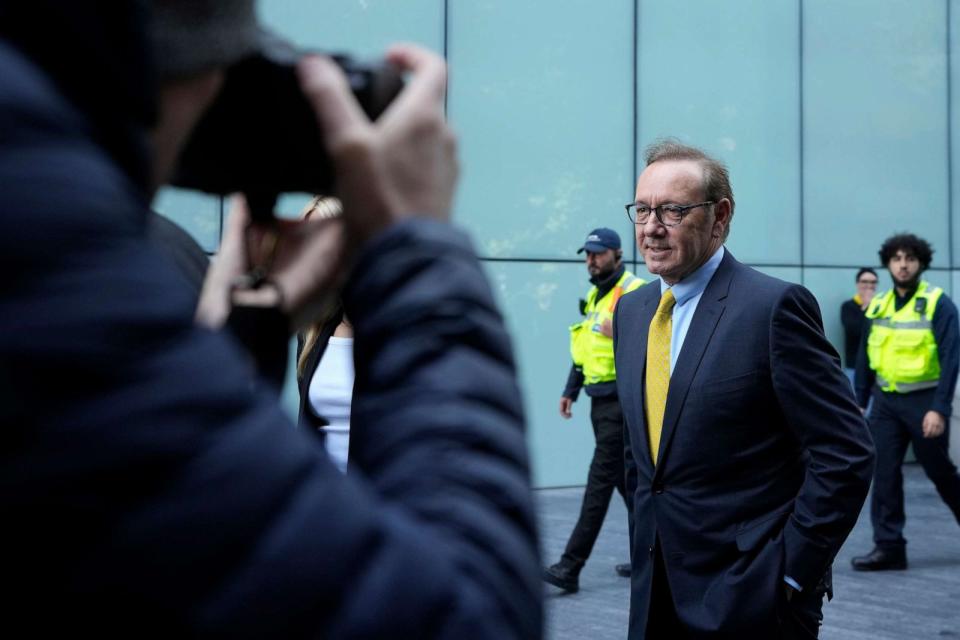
<point>695,283</point>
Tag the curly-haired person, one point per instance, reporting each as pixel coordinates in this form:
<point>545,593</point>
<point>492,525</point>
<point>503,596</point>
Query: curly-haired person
<point>909,358</point>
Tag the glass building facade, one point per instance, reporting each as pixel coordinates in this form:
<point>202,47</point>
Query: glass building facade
<point>839,121</point>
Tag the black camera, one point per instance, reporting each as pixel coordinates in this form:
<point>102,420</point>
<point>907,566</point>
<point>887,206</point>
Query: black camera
<point>261,138</point>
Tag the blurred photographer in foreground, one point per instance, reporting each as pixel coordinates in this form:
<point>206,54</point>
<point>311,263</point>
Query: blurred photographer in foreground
<point>151,485</point>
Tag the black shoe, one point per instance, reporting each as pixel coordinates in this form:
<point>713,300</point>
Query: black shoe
<point>560,575</point>
<point>881,560</point>
<point>623,570</point>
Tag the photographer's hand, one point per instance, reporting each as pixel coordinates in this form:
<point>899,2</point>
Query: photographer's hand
<point>305,265</point>
<point>402,165</point>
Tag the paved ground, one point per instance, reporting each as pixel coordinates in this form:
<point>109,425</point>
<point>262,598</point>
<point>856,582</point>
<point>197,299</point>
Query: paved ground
<point>921,603</point>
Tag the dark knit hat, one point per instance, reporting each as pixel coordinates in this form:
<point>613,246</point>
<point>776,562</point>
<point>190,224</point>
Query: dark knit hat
<point>192,36</point>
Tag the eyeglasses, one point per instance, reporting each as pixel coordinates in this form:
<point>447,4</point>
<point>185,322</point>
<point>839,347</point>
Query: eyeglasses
<point>869,283</point>
<point>669,215</point>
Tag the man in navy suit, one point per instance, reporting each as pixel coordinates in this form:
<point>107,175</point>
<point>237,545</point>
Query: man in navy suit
<point>747,459</point>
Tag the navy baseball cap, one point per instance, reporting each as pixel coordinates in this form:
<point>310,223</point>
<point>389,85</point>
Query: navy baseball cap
<point>600,240</point>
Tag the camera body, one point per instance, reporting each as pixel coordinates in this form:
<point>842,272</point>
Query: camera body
<point>261,137</point>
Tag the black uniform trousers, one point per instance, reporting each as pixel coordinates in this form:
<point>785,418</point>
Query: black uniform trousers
<point>896,421</point>
<point>606,474</point>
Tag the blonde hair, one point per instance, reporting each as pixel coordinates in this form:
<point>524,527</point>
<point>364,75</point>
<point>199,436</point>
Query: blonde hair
<point>320,207</point>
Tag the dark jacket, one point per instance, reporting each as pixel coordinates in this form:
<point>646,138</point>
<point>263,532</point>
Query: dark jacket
<point>151,485</point>
<point>853,319</point>
<point>186,253</point>
<point>764,459</point>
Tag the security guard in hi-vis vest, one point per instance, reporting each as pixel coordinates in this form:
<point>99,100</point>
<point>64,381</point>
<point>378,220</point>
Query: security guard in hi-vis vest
<point>591,347</point>
<point>908,361</point>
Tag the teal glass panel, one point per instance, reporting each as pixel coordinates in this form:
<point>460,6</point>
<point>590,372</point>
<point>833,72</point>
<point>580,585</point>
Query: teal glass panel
<point>291,205</point>
<point>541,97</point>
<point>288,206</point>
<point>789,274</point>
<point>875,126</point>
<point>196,212</point>
<point>364,28</point>
<point>540,302</point>
<point>938,277</point>
<point>724,76</point>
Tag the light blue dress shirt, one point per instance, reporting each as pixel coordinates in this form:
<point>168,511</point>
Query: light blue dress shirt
<point>687,293</point>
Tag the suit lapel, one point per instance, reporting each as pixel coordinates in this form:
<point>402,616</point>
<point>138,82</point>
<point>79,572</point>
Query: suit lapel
<point>647,312</point>
<point>702,326</point>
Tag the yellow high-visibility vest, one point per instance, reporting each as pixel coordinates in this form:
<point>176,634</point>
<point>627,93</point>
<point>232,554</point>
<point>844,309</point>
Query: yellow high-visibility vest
<point>591,350</point>
<point>901,346</point>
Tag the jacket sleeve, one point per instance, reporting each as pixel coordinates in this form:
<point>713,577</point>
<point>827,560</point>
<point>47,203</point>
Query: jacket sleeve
<point>818,404</point>
<point>438,425</point>
<point>946,330</point>
<point>853,319</point>
<point>153,476</point>
<point>864,377</point>
<point>574,383</point>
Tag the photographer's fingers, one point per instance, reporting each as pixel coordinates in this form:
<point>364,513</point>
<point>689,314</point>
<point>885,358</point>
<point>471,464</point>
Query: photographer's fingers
<point>230,262</point>
<point>309,265</point>
<point>352,145</point>
<point>404,165</point>
<point>421,145</point>
<point>328,91</point>
<point>428,82</point>
<point>237,220</point>
<point>231,259</point>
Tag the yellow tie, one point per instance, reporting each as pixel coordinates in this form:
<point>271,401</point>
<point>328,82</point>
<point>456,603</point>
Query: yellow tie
<point>658,369</point>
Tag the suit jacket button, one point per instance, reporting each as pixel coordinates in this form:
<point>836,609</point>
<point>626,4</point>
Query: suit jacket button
<point>650,548</point>
<point>658,489</point>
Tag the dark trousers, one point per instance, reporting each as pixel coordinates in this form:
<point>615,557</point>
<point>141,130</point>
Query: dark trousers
<point>662,620</point>
<point>606,474</point>
<point>801,616</point>
<point>897,421</point>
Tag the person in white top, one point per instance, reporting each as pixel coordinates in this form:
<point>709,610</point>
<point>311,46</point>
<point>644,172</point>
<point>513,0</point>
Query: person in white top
<point>325,367</point>
<point>331,391</point>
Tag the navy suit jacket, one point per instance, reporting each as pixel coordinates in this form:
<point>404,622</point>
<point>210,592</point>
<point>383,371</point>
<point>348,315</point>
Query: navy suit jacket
<point>764,459</point>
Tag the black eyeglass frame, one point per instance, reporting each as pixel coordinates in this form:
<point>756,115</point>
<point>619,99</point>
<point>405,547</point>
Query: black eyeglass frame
<point>682,209</point>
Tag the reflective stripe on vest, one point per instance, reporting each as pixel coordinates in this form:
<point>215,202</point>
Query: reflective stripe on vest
<point>919,324</point>
<point>901,346</point>
<point>907,387</point>
<point>589,348</point>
